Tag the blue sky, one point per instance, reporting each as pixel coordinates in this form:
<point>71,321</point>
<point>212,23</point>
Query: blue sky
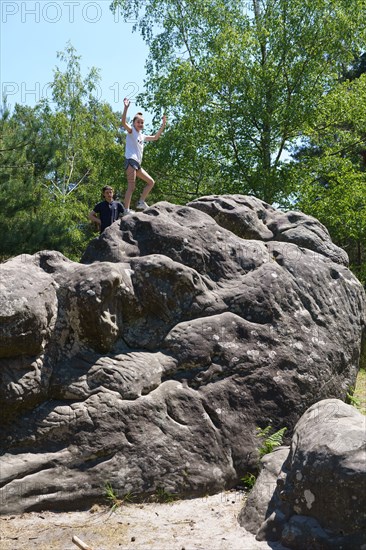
<point>32,32</point>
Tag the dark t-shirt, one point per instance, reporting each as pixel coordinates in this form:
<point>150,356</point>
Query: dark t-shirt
<point>108,212</point>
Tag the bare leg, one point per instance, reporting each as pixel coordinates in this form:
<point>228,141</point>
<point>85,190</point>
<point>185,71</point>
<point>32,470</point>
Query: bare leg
<point>131,184</point>
<point>143,175</point>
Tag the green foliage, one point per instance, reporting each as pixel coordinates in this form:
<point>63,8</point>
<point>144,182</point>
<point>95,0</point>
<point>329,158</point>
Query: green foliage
<point>113,499</point>
<point>360,390</point>
<point>351,399</point>
<point>163,496</point>
<point>357,396</point>
<point>20,190</point>
<point>249,481</point>
<point>269,442</point>
<point>55,159</point>
<point>182,173</point>
<point>242,85</point>
<point>331,169</point>
<point>240,82</point>
<point>112,496</point>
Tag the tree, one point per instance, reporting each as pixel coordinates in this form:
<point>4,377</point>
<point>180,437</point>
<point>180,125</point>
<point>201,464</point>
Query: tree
<point>356,68</point>
<point>56,157</point>
<point>331,172</point>
<point>247,76</point>
<point>20,193</point>
<point>87,136</point>
<point>182,170</point>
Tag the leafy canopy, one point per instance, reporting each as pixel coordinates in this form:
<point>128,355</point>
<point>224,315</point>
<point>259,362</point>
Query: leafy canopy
<point>55,159</point>
<point>243,79</point>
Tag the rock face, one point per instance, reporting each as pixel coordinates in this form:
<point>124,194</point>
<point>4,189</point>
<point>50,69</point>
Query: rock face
<point>151,364</point>
<point>251,218</point>
<point>319,500</point>
<point>257,506</point>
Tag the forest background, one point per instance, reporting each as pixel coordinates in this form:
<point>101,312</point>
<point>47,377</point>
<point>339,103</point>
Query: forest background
<point>263,97</point>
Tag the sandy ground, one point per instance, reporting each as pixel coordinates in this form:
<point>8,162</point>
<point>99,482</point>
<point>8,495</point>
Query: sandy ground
<point>208,523</point>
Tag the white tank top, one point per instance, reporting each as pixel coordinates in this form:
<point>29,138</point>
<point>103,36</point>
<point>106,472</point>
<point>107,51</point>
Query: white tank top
<point>134,145</point>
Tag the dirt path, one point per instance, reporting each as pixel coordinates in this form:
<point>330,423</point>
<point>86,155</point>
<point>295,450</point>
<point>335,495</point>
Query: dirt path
<point>200,524</point>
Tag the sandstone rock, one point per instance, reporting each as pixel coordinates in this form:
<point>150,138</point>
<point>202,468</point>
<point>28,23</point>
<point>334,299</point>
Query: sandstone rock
<point>259,505</point>
<point>28,307</point>
<point>320,498</point>
<point>251,218</point>
<point>155,359</point>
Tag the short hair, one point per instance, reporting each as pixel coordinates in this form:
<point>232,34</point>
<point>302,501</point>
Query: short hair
<point>107,188</point>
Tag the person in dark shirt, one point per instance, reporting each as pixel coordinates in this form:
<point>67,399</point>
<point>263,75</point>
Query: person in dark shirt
<point>108,211</point>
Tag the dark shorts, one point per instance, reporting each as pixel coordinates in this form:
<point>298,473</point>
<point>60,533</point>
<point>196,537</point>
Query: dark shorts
<point>133,163</point>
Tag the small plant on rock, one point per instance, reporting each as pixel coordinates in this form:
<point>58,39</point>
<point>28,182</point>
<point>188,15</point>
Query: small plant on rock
<point>113,499</point>
<point>163,496</point>
<point>352,400</point>
<point>269,442</point>
<point>248,481</point>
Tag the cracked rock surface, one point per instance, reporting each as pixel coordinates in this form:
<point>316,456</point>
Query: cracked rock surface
<point>150,364</point>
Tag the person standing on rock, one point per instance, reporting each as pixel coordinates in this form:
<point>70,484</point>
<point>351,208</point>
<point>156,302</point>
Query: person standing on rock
<point>135,140</point>
<point>108,211</point>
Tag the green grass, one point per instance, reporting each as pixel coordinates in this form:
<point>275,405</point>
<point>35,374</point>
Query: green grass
<point>162,496</point>
<point>360,391</point>
<point>112,497</point>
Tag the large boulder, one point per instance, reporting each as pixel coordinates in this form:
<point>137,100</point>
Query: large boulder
<point>153,361</point>
<point>316,496</point>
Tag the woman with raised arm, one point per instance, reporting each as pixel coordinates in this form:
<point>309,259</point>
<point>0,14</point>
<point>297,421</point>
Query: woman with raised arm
<point>135,141</point>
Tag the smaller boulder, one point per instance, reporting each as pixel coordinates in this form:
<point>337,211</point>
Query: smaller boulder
<point>326,464</point>
<point>255,510</point>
